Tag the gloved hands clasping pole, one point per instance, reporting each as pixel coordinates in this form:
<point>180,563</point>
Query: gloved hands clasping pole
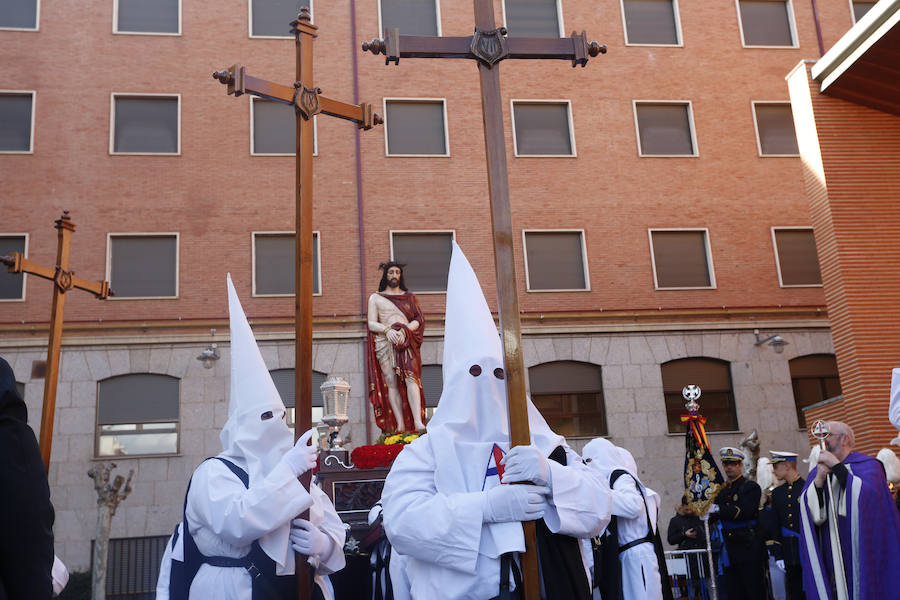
<point>303,456</point>
<point>523,502</point>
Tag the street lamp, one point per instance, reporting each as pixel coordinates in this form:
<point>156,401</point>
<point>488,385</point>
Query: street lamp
<point>776,341</point>
<point>335,397</point>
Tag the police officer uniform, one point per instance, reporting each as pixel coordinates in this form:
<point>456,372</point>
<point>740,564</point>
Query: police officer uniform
<point>786,508</point>
<point>738,508</point>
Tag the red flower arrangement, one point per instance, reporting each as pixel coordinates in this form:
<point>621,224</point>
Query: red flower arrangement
<point>375,456</point>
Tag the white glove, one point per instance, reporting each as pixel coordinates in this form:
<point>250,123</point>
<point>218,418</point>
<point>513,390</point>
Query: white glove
<point>713,509</point>
<point>308,540</point>
<point>59,574</point>
<point>302,457</point>
<point>506,503</point>
<point>526,463</point>
<point>780,564</point>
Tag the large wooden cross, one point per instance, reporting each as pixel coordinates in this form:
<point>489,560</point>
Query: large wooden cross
<point>307,101</point>
<point>64,280</point>
<point>489,45</point>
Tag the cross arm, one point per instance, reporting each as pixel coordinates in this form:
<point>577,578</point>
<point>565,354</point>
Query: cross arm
<point>65,280</point>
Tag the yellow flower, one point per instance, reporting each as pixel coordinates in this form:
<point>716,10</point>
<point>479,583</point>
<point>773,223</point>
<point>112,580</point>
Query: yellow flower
<point>410,438</point>
<point>393,439</point>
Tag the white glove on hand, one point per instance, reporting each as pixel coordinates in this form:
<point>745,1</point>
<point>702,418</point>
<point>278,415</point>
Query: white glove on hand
<point>302,457</point>
<point>526,463</point>
<point>780,564</point>
<point>308,540</point>
<point>506,503</point>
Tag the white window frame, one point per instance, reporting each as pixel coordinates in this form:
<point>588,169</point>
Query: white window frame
<point>112,122</point>
<point>512,113</point>
<point>759,150</point>
<point>437,12</point>
<point>312,16</point>
<point>678,35</point>
<point>709,259</point>
<point>37,20</point>
<point>175,234</point>
<point>24,275</point>
<point>792,23</point>
<point>115,24</point>
<point>781,283</point>
<point>253,151</point>
<point>853,13</point>
<point>443,101</point>
<point>33,94</point>
<point>559,17</point>
<point>584,260</point>
<point>391,233</point>
<point>637,128</point>
<point>317,239</point>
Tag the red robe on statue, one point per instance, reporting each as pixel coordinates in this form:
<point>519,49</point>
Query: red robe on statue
<point>408,361</point>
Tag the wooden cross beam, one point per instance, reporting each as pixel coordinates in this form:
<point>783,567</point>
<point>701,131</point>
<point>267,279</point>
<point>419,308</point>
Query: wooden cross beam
<point>489,45</point>
<point>64,280</point>
<point>307,101</point>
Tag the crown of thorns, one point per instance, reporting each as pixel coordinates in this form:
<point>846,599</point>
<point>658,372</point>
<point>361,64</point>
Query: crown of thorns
<point>391,263</point>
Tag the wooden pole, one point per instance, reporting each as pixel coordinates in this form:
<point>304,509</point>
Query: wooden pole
<point>507,293</point>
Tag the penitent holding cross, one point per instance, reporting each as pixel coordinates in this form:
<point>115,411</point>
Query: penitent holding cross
<point>489,46</point>
<point>305,97</point>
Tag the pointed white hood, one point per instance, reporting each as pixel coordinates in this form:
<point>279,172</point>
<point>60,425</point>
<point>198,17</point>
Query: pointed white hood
<point>252,443</point>
<point>607,457</point>
<point>472,413</point>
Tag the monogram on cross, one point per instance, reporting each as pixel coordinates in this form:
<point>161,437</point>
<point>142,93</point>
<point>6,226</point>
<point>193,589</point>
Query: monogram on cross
<point>488,46</point>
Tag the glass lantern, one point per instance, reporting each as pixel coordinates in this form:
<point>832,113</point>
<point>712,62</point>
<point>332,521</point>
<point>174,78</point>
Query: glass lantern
<point>335,397</point>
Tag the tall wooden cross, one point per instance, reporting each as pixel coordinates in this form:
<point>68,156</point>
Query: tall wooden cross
<point>64,280</point>
<point>489,45</point>
<point>307,101</point>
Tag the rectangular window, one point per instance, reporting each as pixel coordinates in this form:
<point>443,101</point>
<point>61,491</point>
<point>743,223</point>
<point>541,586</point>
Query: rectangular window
<point>161,17</point>
<point>416,127</point>
<point>19,14</point>
<point>16,122</point>
<point>133,566</point>
<point>555,261</point>
<point>681,259</point>
<point>145,124</point>
<point>665,129</point>
<point>775,134</point>
<point>273,129</point>
<point>427,258</point>
<point>533,18</point>
<point>12,287</point>
<point>272,18</point>
<point>766,22</point>
<point>652,22</point>
<point>411,17</point>
<point>274,273</point>
<point>137,414</point>
<point>542,128</point>
<point>796,257</point>
<point>143,265</point>
<point>860,9</point>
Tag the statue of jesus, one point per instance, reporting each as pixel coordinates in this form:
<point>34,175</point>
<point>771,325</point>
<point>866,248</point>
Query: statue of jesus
<point>396,328</point>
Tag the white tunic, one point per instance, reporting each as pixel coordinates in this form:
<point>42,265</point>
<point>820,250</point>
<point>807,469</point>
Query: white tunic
<point>640,566</point>
<point>442,534</point>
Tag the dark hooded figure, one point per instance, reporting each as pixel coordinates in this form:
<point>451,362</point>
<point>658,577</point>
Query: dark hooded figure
<point>26,515</point>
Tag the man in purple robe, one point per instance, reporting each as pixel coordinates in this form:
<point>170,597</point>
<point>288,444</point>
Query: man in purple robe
<point>850,532</point>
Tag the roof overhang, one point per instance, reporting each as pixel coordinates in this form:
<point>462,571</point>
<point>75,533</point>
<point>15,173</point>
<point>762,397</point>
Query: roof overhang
<point>864,65</point>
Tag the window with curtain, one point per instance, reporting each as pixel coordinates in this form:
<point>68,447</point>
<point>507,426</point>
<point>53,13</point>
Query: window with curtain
<point>569,395</point>
<point>532,18</point>
<point>814,379</point>
<point>16,115</point>
<point>775,129</point>
<point>137,414</point>
<point>427,259</point>
<point>717,402</point>
<point>411,17</point>
<point>143,266</point>
<point>681,259</point>
<point>766,23</point>
<point>651,22</point>
<point>664,129</point>
<point>555,260</point>
<point>12,286</point>
<point>415,127</point>
<point>19,14</point>
<point>274,273</point>
<point>148,16</point>
<point>860,9</point>
<point>542,129</point>
<point>798,261</point>
<point>272,18</point>
<point>432,386</point>
<point>145,125</point>
<point>284,383</point>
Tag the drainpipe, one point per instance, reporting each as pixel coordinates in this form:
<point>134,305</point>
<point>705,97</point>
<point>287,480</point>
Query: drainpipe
<point>360,220</point>
<point>815,10</point>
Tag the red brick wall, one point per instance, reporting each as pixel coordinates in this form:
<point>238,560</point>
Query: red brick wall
<point>856,219</point>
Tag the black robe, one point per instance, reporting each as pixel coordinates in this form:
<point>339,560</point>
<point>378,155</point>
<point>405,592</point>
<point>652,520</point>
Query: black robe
<point>26,514</point>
